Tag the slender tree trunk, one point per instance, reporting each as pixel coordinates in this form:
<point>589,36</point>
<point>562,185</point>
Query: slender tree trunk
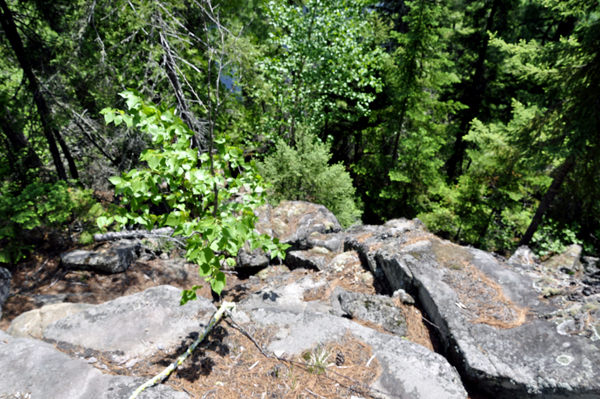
<point>397,140</point>
<point>10,29</point>
<point>65,149</point>
<point>561,173</point>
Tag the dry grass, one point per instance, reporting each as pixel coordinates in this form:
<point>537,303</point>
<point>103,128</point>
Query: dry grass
<point>416,331</point>
<point>348,283</point>
<point>484,297</point>
<point>229,366</point>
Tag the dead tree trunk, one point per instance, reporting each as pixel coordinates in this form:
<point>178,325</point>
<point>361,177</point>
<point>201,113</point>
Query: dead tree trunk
<point>199,141</point>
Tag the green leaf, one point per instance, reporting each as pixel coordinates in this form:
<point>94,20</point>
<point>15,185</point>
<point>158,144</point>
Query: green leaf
<point>174,219</point>
<point>204,270</point>
<point>102,221</point>
<point>188,295</point>
<point>218,282</point>
<point>109,115</point>
<point>115,180</point>
<point>4,256</point>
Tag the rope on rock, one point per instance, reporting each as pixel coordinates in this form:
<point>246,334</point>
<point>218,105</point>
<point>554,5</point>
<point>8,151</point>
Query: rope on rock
<point>226,306</point>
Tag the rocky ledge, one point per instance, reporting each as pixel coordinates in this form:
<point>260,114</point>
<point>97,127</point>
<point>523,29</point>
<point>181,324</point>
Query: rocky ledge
<point>516,328</point>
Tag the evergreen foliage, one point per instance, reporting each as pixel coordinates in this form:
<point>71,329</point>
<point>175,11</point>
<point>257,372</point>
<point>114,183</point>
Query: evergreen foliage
<point>303,172</point>
<point>479,117</point>
<point>404,147</point>
<point>30,213</point>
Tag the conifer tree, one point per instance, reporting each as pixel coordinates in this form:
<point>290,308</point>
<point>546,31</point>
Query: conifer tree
<point>565,134</point>
<point>416,115</point>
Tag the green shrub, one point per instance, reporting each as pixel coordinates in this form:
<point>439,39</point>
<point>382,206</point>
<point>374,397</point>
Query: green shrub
<point>205,201</point>
<point>551,238</point>
<point>40,206</point>
<point>303,173</point>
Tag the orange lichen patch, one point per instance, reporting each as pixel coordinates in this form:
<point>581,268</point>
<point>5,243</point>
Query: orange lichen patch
<point>483,297</point>
<point>228,365</point>
<point>377,245</point>
<point>412,239</point>
<point>364,237</point>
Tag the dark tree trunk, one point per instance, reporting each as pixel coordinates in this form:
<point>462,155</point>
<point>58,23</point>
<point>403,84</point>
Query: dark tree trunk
<point>561,173</point>
<point>18,142</point>
<point>10,29</point>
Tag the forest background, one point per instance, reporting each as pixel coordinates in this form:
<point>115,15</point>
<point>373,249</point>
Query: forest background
<point>479,117</point>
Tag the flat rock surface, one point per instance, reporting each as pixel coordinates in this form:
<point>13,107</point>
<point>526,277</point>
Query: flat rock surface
<point>496,327</point>
<point>129,323</point>
<point>408,370</point>
<point>37,368</point>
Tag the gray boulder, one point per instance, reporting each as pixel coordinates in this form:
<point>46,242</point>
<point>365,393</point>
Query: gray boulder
<point>591,264</point>
<point>334,242</point>
<point>297,223</point>
<point>5,277</point>
<point>403,297</point>
<point>377,309</point>
<point>568,261</point>
<point>409,370</point>
<point>37,368</point>
<point>293,222</point>
<point>345,260</point>
<point>5,338</point>
<point>130,323</point>
<point>109,258</point>
<point>367,239</point>
<point>252,258</point>
<point>523,256</point>
<point>32,323</point>
<point>496,328</point>
<point>314,258</point>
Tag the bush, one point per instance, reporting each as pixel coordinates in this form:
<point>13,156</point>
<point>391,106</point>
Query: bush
<point>551,238</point>
<point>303,173</point>
<point>208,198</point>
<point>38,207</point>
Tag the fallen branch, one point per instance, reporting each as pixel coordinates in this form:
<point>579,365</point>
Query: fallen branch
<point>125,234</point>
<point>226,306</point>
